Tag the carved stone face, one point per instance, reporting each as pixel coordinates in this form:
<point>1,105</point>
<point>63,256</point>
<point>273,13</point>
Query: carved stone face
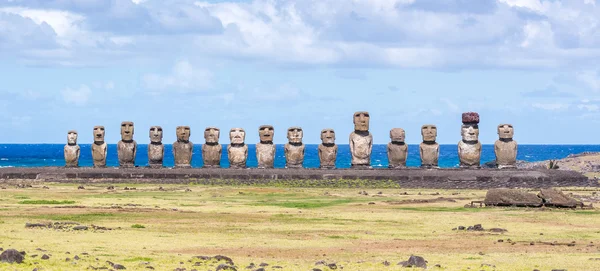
<point>469,132</point>
<point>183,133</point>
<point>156,134</point>
<point>266,133</point>
<point>237,136</point>
<point>361,121</point>
<point>295,134</point>
<point>127,130</point>
<point>397,135</point>
<point>506,131</point>
<point>211,134</point>
<point>328,136</point>
<point>72,137</point>
<point>429,132</point>
<point>98,133</point>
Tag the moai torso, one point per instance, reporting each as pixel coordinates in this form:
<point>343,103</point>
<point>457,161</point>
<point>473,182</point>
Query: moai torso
<point>469,148</point>
<point>183,148</point>
<point>294,155</point>
<point>211,155</point>
<point>505,147</point>
<point>430,153</point>
<point>265,154</point>
<point>238,154</point>
<point>99,154</point>
<point>328,155</point>
<point>397,150</point>
<point>126,152</point>
<point>156,149</point>
<point>71,150</point>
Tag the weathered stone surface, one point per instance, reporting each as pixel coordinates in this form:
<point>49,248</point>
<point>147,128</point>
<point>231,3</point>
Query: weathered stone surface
<point>414,261</point>
<point>511,197</point>
<point>361,141</point>
<point>265,149</point>
<point>99,148</point>
<point>156,149</point>
<point>212,150</point>
<point>237,151</point>
<point>72,150</point>
<point>429,149</point>
<point>469,148</point>
<point>505,147</point>
<point>551,196</point>
<point>470,118</point>
<point>328,149</point>
<point>11,256</point>
<point>294,149</point>
<point>127,147</point>
<point>183,148</point>
<point>397,150</point>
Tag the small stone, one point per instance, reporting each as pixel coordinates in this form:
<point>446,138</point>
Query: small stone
<point>263,264</point>
<point>386,263</point>
<point>332,266</point>
<point>80,228</point>
<point>414,261</point>
<point>118,266</point>
<point>11,256</point>
<point>371,203</point>
<point>45,257</point>
<point>67,259</point>
<point>76,257</point>
<point>80,187</point>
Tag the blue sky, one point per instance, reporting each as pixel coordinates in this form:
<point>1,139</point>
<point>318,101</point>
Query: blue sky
<point>73,64</point>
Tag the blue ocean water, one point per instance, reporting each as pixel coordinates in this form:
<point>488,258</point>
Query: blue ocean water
<point>39,155</point>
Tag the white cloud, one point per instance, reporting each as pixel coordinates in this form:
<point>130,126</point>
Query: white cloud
<point>183,77</point>
<point>551,106</point>
<point>590,78</point>
<point>79,97</point>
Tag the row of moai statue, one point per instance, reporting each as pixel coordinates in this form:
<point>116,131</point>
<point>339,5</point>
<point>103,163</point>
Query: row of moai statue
<point>361,143</point>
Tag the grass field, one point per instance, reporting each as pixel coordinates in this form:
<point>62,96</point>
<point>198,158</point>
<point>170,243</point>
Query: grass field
<point>291,228</point>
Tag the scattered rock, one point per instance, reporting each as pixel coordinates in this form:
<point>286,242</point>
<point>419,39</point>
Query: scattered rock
<point>149,267</point>
<point>45,187</point>
<point>321,263</point>
<point>332,266</point>
<point>251,266</point>
<point>386,263</point>
<point>224,258</point>
<point>500,230</point>
<point>161,188</point>
<point>80,187</point>
<point>38,225</point>
<point>461,228</point>
<point>476,227</point>
<point>414,261</point>
<point>45,257</point>
<point>263,264</point>
<point>11,256</point>
<point>371,203</point>
<point>111,187</point>
<point>76,257</point>
<point>225,267</point>
<point>259,269</point>
<point>188,190</point>
<point>118,266</point>
<point>80,228</point>
<point>67,259</point>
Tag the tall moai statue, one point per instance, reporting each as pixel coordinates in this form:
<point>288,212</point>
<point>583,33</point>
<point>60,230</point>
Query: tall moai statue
<point>156,149</point>
<point>361,141</point>
<point>328,149</point>
<point>294,149</point>
<point>469,148</point>
<point>99,147</point>
<point>505,147</point>
<point>127,147</point>
<point>265,149</point>
<point>237,151</point>
<point>211,150</point>
<point>397,150</point>
<point>183,148</point>
<point>429,149</point>
<point>72,150</point>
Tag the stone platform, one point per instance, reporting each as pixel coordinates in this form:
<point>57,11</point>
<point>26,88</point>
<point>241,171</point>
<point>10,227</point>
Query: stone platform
<point>406,178</point>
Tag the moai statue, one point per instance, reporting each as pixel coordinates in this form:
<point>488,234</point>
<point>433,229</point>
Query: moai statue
<point>72,150</point>
<point>237,151</point>
<point>127,147</point>
<point>469,148</point>
<point>211,150</point>
<point>328,149</point>
<point>99,147</point>
<point>294,149</point>
<point>505,147</point>
<point>429,149</point>
<point>183,148</point>
<point>265,149</point>
<point>397,150</point>
<point>361,141</point>
<point>156,149</point>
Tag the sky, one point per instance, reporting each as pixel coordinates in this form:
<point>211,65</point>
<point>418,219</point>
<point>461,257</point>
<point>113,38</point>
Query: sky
<point>74,64</point>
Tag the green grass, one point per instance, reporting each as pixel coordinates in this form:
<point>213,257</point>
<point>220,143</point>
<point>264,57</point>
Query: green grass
<point>138,259</point>
<point>138,226</point>
<point>43,201</point>
<point>88,217</point>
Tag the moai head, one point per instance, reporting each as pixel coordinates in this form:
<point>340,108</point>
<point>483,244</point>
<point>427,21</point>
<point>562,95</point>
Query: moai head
<point>294,135</point>
<point>183,133</point>
<point>506,131</point>
<point>429,132</point>
<point>72,137</point>
<point>237,136</point>
<point>127,131</point>
<point>397,135</point>
<point>156,134</point>
<point>266,133</point>
<point>211,135</point>
<point>361,121</point>
<point>328,136</point>
<point>98,133</point>
<point>470,128</point>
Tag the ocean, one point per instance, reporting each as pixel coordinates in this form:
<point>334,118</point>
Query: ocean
<point>44,155</point>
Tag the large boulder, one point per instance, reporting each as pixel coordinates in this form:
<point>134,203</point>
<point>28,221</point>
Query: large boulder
<point>553,197</point>
<point>511,197</point>
<point>11,256</point>
<point>414,261</point>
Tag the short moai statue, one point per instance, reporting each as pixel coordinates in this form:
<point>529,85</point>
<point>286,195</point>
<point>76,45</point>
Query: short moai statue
<point>156,149</point>
<point>183,148</point>
<point>328,149</point>
<point>429,149</point>
<point>469,148</point>
<point>212,150</point>
<point>265,149</point>
<point>294,149</point>
<point>126,147</point>
<point>72,150</point>
<point>397,149</point>
<point>505,147</point>
<point>237,151</point>
<point>361,141</point>
<point>99,147</point>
